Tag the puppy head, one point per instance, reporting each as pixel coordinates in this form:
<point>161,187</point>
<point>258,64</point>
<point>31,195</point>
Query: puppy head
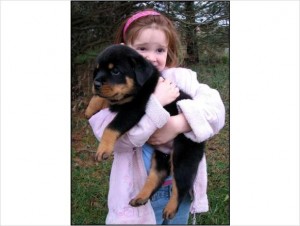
<point>120,73</point>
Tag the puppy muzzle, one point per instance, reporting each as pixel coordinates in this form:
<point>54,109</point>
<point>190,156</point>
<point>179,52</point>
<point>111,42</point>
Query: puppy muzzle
<point>97,85</point>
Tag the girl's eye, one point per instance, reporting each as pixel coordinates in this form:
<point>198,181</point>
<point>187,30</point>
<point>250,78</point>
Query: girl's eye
<point>161,50</point>
<point>115,71</point>
<point>142,48</point>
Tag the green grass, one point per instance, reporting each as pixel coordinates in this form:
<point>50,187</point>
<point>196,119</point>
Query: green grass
<point>90,180</point>
<point>89,189</point>
<point>217,152</point>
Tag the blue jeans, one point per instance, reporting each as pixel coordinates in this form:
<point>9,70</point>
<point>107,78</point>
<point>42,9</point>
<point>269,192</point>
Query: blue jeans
<point>160,199</point>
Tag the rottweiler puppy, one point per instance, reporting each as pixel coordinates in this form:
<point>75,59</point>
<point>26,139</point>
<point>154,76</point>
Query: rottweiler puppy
<point>125,79</point>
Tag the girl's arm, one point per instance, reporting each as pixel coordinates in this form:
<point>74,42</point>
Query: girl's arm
<point>200,118</point>
<point>175,125</point>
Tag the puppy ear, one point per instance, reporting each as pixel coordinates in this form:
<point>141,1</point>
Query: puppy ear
<point>143,70</point>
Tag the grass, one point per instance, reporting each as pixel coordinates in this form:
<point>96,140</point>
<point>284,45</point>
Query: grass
<point>217,152</point>
<point>90,180</point>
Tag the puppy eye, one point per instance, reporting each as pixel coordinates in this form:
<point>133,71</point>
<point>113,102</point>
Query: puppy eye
<point>115,71</point>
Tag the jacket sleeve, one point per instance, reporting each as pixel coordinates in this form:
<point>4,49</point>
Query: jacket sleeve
<point>155,117</point>
<point>205,112</point>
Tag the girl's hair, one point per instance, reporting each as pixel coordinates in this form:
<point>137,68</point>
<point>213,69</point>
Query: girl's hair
<point>152,21</point>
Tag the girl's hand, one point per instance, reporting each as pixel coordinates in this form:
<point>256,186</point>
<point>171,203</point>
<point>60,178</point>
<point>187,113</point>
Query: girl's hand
<point>176,124</point>
<point>165,91</point>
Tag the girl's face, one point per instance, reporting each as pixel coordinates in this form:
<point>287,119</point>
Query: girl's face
<point>152,44</point>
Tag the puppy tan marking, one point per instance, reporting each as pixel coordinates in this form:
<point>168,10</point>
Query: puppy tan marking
<point>172,206</point>
<point>96,104</point>
<point>125,88</point>
<point>153,181</point>
<point>118,92</point>
<point>107,143</point>
<point>110,66</point>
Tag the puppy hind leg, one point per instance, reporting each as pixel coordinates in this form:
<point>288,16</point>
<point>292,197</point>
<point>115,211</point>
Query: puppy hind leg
<point>185,160</point>
<point>172,206</point>
<point>179,191</point>
<point>158,172</point>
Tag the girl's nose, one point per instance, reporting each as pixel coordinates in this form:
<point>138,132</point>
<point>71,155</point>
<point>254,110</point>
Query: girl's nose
<point>150,57</point>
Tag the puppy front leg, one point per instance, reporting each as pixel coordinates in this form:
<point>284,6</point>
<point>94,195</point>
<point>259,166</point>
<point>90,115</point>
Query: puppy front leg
<point>123,121</point>
<point>96,104</point>
<point>107,143</point>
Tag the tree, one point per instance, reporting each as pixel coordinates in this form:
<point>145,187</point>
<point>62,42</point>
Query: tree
<point>190,27</point>
<point>203,26</point>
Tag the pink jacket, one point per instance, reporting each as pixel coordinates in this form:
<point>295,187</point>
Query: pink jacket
<point>206,116</point>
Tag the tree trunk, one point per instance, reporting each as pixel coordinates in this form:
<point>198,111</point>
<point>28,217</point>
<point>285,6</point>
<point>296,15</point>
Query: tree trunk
<point>191,38</point>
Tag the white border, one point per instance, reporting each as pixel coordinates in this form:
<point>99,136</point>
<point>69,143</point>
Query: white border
<point>35,112</point>
<point>264,112</point>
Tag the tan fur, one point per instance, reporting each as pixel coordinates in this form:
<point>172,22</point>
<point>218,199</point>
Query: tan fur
<point>96,104</point>
<point>110,66</point>
<point>118,91</point>
<point>107,143</point>
<point>110,93</point>
<point>172,206</point>
<point>151,184</point>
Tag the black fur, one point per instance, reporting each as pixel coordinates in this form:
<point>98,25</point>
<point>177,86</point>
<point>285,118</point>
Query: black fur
<point>187,154</point>
<point>130,64</point>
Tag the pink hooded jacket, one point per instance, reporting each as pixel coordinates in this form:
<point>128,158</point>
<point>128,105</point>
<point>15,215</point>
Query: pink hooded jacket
<point>206,116</point>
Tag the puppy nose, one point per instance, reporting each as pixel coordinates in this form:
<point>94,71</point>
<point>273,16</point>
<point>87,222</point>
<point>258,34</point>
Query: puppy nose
<point>97,84</point>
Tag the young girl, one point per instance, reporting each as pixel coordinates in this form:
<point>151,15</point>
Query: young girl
<point>154,37</point>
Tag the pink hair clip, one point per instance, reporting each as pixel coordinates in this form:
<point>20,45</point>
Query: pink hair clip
<point>137,16</point>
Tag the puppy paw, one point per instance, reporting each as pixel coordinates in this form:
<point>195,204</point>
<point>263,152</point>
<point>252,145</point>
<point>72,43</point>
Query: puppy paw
<point>138,202</point>
<point>107,144</point>
<point>169,211</point>
<point>103,152</point>
<point>88,113</point>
